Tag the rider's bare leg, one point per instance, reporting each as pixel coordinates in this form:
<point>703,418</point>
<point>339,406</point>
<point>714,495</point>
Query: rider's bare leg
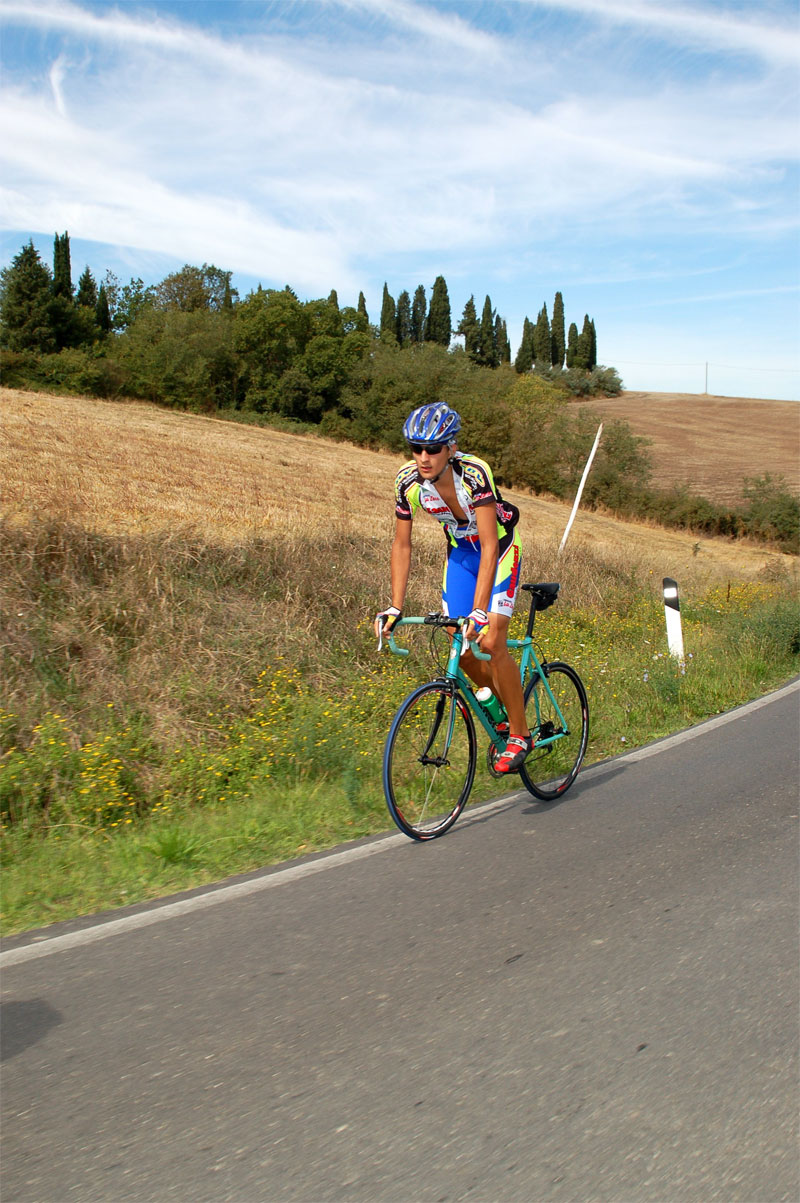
<point>501,673</point>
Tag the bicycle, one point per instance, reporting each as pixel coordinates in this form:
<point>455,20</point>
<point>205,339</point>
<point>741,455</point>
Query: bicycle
<point>431,754</point>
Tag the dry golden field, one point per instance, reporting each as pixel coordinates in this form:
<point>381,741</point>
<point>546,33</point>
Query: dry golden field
<point>129,467</point>
<point>710,444</point>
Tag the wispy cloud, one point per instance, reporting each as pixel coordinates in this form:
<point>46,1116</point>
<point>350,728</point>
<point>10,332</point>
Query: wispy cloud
<point>729,296</point>
<point>400,136</point>
<point>706,26</point>
<point>324,160</point>
<point>434,26</point>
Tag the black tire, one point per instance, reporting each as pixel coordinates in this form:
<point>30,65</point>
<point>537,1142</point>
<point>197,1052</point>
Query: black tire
<point>427,783</point>
<point>551,768</point>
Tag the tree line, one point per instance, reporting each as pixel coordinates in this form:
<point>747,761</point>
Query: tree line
<point>544,345</point>
<point>192,343</point>
<point>40,312</point>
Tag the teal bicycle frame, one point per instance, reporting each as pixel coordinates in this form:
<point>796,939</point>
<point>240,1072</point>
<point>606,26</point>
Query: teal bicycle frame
<point>530,667</point>
<point>430,755</point>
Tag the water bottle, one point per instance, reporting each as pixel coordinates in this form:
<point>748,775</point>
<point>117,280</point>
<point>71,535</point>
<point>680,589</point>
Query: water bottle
<point>491,705</point>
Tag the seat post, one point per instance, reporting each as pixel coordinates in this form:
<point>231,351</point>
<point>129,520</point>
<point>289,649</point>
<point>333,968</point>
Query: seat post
<point>531,616</point>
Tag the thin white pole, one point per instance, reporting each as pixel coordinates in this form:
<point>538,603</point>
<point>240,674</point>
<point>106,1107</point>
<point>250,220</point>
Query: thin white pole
<point>577,500</point>
<point>672,612</point>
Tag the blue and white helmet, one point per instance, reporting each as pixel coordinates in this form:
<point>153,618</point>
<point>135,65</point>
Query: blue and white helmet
<point>432,424</point>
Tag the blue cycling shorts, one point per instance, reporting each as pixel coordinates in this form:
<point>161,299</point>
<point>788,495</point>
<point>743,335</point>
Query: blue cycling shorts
<point>461,577</point>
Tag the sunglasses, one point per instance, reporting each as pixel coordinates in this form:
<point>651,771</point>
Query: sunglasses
<point>431,448</point>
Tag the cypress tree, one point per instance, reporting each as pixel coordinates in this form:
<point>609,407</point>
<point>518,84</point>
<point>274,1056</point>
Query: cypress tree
<point>488,349</point>
<point>541,339</point>
<point>102,311</point>
<point>62,268</point>
<point>67,324</point>
<point>572,346</point>
<point>583,354</point>
<point>593,346</point>
<point>362,305</point>
<point>25,296</point>
<point>558,349</point>
<point>403,324</point>
<point>468,326</point>
<point>418,311</point>
<point>501,340</point>
<point>524,360</point>
<point>388,314</point>
<point>438,328</point>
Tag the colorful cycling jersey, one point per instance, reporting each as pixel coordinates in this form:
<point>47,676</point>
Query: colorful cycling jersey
<point>475,487</point>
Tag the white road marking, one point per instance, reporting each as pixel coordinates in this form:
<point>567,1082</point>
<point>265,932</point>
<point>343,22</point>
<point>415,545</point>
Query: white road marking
<point>43,946</point>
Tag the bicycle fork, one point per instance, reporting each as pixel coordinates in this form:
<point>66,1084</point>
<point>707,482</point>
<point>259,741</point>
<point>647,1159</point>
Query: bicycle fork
<point>439,762</point>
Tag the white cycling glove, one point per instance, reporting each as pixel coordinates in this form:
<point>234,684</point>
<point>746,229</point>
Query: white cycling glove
<point>479,619</point>
<point>387,618</point>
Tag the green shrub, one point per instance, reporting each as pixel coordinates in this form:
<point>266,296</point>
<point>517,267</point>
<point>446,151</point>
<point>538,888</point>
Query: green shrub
<point>772,512</point>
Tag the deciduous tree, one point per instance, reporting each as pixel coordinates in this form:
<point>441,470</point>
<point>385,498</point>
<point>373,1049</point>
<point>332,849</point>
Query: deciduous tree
<point>131,300</point>
<point>195,288</point>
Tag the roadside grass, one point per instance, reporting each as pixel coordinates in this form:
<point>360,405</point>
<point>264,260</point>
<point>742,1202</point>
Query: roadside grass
<point>189,683</point>
<point>179,712</point>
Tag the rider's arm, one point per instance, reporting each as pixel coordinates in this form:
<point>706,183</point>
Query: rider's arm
<point>401,561</point>
<point>486,518</point>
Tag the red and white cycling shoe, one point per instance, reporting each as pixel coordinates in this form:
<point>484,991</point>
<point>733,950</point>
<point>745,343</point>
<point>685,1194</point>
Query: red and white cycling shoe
<point>516,751</point>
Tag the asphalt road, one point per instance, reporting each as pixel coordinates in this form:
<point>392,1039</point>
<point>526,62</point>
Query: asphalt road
<point>595,1000</point>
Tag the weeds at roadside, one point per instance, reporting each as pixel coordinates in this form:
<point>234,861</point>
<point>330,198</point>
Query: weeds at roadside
<point>175,846</point>
<point>177,712</point>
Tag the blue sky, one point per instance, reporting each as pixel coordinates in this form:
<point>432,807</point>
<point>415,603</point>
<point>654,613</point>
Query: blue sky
<point>641,157</point>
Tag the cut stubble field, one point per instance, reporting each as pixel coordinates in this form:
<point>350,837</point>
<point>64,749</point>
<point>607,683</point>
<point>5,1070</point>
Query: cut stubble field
<point>710,444</point>
<point>191,686</point>
<point>132,468</point>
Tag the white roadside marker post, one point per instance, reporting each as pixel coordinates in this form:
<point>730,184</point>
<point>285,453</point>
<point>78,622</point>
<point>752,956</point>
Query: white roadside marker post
<point>672,612</point>
<point>577,500</point>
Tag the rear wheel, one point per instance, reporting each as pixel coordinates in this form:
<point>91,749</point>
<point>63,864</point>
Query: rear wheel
<point>561,731</point>
<point>429,761</point>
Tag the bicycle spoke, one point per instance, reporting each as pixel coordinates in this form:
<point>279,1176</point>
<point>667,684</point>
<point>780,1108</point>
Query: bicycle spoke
<point>429,762</point>
<point>561,726</point>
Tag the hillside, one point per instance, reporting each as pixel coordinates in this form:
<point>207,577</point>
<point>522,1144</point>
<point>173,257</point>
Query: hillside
<point>191,685</point>
<point>710,444</point>
<point>131,467</point>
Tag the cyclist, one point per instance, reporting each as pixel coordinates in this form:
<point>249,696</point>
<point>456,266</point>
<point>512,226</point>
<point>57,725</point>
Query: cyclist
<point>482,569</point>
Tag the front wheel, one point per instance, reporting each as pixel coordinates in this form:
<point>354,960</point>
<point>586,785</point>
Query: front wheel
<point>561,731</point>
<point>429,761</point>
